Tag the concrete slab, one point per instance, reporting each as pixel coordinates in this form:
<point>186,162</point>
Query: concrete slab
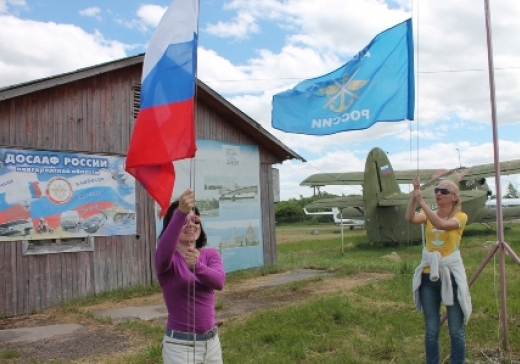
<point>292,276</point>
<point>36,333</point>
<point>145,313</point>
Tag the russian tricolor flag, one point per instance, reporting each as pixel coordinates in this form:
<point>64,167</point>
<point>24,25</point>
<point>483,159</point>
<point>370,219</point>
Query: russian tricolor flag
<point>165,126</point>
<point>385,170</point>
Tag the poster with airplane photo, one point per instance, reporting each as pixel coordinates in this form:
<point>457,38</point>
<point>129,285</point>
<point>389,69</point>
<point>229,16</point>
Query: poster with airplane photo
<point>226,179</point>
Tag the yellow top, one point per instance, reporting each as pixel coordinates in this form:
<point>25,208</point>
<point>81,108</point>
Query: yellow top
<point>444,241</point>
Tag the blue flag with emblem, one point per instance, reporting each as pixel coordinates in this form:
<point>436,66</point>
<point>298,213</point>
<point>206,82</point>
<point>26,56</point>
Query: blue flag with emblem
<point>375,85</point>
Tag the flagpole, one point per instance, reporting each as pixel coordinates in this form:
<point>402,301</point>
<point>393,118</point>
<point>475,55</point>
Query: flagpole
<point>500,227</point>
<point>192,163</point>
<point>193,185</point>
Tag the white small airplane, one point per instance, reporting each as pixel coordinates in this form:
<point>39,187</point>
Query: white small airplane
<point>339,219</point>
<point>506,202</point>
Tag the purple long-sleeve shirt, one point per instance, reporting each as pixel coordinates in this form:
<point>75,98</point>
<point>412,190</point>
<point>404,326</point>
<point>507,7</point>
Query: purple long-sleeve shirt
<point>176,280</point>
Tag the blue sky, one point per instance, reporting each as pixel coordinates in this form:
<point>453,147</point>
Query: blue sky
<point>252,49</point>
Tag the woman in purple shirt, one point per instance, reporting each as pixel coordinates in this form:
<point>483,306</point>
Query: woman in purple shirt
<point>188,274</point>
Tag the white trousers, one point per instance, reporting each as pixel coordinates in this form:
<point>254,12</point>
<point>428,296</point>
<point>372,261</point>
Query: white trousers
<point>176,351</point>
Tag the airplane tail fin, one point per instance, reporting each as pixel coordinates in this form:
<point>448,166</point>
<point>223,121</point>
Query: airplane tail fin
<point>385,222</point>
<point>380,179</point>
<point>335,215</point>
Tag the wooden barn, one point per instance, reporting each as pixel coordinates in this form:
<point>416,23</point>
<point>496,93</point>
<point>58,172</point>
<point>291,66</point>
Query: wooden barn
<point>92,112</point>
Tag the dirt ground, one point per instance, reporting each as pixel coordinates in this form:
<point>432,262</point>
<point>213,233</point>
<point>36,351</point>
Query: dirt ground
<point>99,341</point>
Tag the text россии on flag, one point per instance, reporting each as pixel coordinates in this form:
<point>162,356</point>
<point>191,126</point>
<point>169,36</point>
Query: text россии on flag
<point>376,85</point>
<point>165,128</point>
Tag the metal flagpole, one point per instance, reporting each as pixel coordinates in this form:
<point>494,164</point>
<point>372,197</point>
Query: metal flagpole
<point>193,186</point>
<point>500,223</point>
<point>501,246</point>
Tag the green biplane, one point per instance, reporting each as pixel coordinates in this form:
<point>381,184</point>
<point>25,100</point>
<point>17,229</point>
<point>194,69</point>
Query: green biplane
<point>383,205</point>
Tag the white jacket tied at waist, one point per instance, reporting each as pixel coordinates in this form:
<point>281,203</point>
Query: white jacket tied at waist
<point>441,268</point>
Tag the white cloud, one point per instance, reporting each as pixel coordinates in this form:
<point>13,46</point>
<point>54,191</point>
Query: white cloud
<point>452,77</point>
<point>147,18</point>
<point>333,25</point>
<point>151,14</point>
<point>240,27</point>
<point>6,4</point>
<point>270,72</point>
<point>451,66</point>
<point>315,37</point>
<point>92,12</point>
<point>29,50</point>
<point>219,73</point>
<point>440,155</point>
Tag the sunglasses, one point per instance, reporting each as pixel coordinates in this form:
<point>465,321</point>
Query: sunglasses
<point>442,191</point>
<point>194,219</point>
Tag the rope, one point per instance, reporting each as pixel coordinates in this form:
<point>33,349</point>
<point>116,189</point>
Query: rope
<point>192,186</point>
<point>191,287</point>
<point>410,122</point>
<point>417,116</point>
<point>418,84</point>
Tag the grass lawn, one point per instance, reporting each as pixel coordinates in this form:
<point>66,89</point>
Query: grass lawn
<point>325,320</point>
<point>377,322</point>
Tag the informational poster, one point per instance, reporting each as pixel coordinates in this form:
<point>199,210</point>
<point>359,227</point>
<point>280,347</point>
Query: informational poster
<point>52,195</point>
<point>226,181</point>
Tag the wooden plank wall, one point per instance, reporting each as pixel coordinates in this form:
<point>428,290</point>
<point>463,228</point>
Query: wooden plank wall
<point>267,206</point>
<point>95,115</point>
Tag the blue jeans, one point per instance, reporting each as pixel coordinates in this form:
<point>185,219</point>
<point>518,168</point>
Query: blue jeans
<point>430,294</point>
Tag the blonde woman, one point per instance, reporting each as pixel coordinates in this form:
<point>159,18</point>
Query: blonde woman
<point>441,275</point>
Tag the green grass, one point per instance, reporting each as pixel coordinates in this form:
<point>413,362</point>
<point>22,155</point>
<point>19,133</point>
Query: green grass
<point>117,295</point>
<point>9,354</point>
<point>373,323</point>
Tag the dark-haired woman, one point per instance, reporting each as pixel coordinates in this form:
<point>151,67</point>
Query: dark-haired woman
<point>188,274</point>
<point>441,276</point>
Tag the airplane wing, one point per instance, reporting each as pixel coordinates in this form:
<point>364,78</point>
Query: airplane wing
<point>474,172</point>
<point>489,215</point>
<point>403,198</point>
<point>393,200</point>
<point>406,176</point>
<point>487,170</point>
<point>432,176</point>
<point>470,175</point>
<point>357,178</point>
<point>339,202</point>
<point>327,179</point>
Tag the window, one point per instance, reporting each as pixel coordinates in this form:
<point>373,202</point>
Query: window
<point>51,246</point>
